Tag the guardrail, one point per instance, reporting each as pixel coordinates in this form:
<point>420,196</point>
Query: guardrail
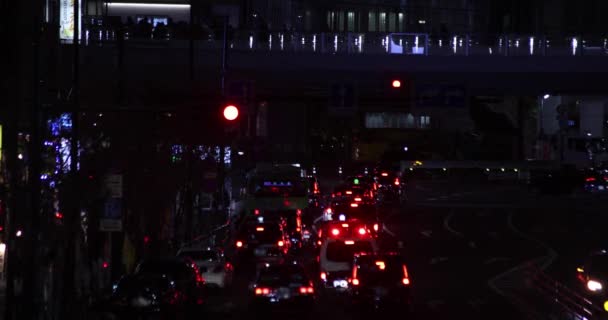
<point>420,44</point>
<point>572,304</point>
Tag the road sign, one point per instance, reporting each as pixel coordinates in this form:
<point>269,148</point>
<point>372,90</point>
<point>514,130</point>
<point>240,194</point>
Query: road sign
<point>114,185</point>
<point>110,225</point>
<point>112,216</point>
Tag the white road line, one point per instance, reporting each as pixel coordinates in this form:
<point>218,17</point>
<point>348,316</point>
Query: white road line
<point>446,225</point>
<point>427,233</point>
<point>387,230</point>
<point>551,254</point>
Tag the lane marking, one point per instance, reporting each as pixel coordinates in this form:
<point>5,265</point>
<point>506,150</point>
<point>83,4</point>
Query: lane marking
<point>387,230</point>
<point>551,253</point>
<point>496,259</point>
<point>446,225</point>
<point>427,233</point>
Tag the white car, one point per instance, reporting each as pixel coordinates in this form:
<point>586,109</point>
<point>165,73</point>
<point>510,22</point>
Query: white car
<point>336,256</point>
<point>211,264</point>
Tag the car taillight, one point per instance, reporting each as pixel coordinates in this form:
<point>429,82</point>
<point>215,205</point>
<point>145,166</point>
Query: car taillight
<point>335,232</point>
<point>358,199</point>
<point>397,182</point>
<point>354,205</point>
<point>305,290</point>
<point>256,212</point>
<point>376,227</point>
<point>323,276</point>
<point>262,291</point>
<point>590,179</point>
<point>355,282</point>
<point>239,244</point>
<point>281,243</point>
<point>362,231</point>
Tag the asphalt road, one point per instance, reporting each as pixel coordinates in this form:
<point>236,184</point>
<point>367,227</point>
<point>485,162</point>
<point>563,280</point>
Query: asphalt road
<point>458,241</point>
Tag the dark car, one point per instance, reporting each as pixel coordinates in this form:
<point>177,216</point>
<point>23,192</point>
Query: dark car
<point>166,287</point>
<point>283,288</point>
<point>380,282</point>
<point>265,242</point>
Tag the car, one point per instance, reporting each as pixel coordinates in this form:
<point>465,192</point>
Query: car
<point>282,288</point>
<point>212,265</point>
<point>389,186</point>
<point>336,256</point>
<point>593,274</point>
<point>380,282</point>
<point>164,286</point>
<point>265,242</point>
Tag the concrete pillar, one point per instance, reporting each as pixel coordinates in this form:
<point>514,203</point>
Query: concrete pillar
<point>548,114</point>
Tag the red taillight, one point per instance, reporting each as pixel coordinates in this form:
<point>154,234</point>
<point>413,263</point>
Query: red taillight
<point>260,229</point>
<point>349,192</point>
<point>58,215</point>
<point>354,205</point>
<point>397,182</point>
<point>345,225</point>
<point>376,227</point>
<point>239,244</point>
<point>406,281</point>
<point>590,179</point>
<point>355,282</point>
<point>323,276</point>
<point>305,290</point>
<point>362,231</point>
<point>319,242</point>
<point>256,212</point>
<point>298,212</point>
<point>105,265</point>
<point>335,232</point>
<point>262,291</point>
<point>384,174</point>
<point>281,243</point>
<point>358,199</point>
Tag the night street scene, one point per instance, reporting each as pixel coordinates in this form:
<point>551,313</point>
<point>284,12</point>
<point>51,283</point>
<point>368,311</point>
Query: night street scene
<point>303,159</point>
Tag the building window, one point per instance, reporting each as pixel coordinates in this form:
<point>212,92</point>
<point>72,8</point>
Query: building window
<point>351,21</point>
<point>425,122</point>
<point>341,21</point>
<point>371,22</point>
<point>331,20</point>
<point>400,22</point>
<point>389,120</point>
<point>392,22</point>
<point>382,26</point>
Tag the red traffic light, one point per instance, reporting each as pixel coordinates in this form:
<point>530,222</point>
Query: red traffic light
<point>231,112</point>
<point>396,84</point>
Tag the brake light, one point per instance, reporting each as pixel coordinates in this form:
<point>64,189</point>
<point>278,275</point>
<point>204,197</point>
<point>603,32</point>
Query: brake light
<point>281,243</point>
<point>261,291</point>
<point>349,192</point>
<point>305,290</point>
<point>362,231</point>
<point>349,242</point>
<point>298,212</point>
<point>354,205</point>
<point>355,282</point>
<point>384,174</point>
<point>256,212</point>
<point>319,242</point>
<point>323,276</point>
<point>397,182</point>
<point>590,179</point>
<point>406,277</point>
<point>345,225</point>
<point>358,199</point>
<point>381,265</point>
<point>259,229</point>
<point>335,232</point>
<point>239,244</point>
<point>376,227</point>
<point>298,229</point>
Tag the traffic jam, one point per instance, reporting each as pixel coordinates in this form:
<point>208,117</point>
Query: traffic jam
<point>291,247</point>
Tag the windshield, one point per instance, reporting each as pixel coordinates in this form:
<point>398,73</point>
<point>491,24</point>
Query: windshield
<point>380,270</point>
<point>339,251</point>
<point>263,233</point>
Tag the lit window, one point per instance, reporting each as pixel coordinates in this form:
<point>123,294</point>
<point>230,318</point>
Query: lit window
<point>382,27</point>
<point>351,21</point>
<point>372,23</point>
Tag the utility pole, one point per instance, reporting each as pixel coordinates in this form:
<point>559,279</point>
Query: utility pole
<point>73,212</point>
<point>32,230</point>
<point>191,42</point>
<point>222,173</point>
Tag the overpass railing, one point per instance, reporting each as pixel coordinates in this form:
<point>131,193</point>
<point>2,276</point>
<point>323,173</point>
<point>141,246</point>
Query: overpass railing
<point>420,44</point>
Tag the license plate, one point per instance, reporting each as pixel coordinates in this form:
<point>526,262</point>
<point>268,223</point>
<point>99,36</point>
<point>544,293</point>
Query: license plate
<point>600,187</point>
<point>340,284</point>
<point>260,252</point>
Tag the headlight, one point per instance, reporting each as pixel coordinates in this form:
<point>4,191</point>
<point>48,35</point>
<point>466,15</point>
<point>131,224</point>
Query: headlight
<point>594,286</point>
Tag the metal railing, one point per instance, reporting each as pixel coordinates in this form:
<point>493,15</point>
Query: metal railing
<point>419,44</point>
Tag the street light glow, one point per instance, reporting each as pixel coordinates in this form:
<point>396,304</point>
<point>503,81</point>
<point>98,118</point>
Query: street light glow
<point>231,112</point>
<point>547,96</point>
